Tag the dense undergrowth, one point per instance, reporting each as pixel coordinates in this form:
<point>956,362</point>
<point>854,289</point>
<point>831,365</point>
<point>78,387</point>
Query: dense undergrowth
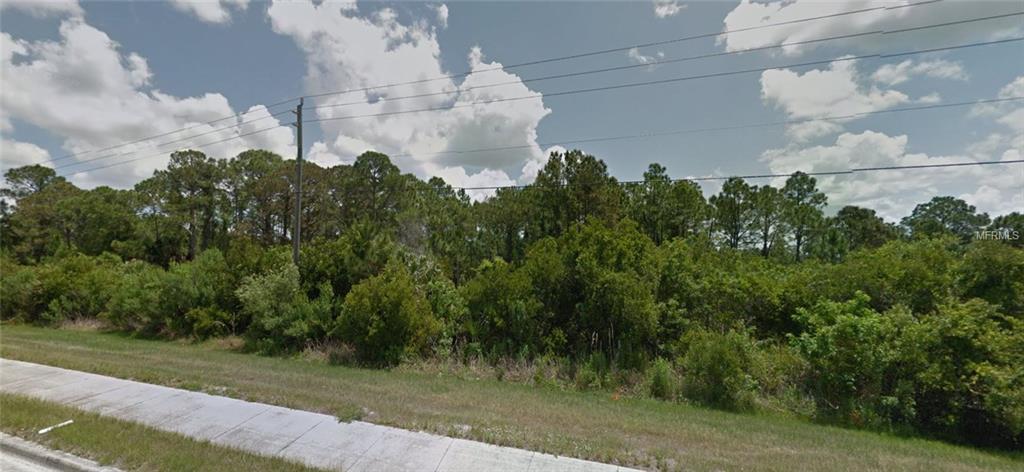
<point>931,351</point>
<point>642,291</point>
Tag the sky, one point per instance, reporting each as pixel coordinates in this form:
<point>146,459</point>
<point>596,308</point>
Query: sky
<point>82,84</point>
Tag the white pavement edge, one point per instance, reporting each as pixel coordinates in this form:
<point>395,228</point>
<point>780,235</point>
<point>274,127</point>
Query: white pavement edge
<point>314,439</point>
<point>47,459</point>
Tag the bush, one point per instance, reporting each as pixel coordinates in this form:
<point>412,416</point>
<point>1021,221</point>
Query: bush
<point>505,316</point>
<point>200,291</point>
<point>853,355</point>
<point>283,318</point>
<point>75,286</point>
<point>919,275</point>
<point>612,276</point>
<point>780,373</point>
<point>716,369</point>
<point>971,385</point>
<point>246,258</point>
<point>994,271</point>
<point>135,305</point>
<point>205,321</point>
<point>194,298</point>
<point>19,291</point>
<point>662,381</point>
<point>386,318</point>
<point>446,303</point>
<point>721,290</point>
<point>594,373</point>
<point>361,252</point>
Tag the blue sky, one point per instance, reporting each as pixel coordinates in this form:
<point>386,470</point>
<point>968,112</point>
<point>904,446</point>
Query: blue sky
<point>85,76</point>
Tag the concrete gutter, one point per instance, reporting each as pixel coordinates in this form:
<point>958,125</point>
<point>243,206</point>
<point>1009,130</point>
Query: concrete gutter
<point>48,459</point>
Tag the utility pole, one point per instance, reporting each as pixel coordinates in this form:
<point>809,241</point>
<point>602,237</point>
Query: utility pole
<point>297,233</point>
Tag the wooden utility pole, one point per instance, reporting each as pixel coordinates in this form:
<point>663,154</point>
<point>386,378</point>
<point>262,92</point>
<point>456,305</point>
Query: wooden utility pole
<point>297,233</point>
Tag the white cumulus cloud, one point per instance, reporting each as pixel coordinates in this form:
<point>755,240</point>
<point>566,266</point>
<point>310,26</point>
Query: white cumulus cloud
<point>893,193</point>
<point>634,55</point>
<point>835,91</point>
<point>751,14</point>
<point>893,74</point>
<point>210,11</point>
<point>17,154</point>
<point>348,49</point>
<point>96,96</point>
<point>1009,114</point>
<point>667,8</point>
<point>44,8</point>
<point>442,15</point>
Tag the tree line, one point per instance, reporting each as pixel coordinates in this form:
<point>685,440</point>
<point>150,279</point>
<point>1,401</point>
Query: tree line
<point>752,298</point>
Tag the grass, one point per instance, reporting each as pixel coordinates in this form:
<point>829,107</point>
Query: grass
<point>122,444</point>
<point>597,426</point>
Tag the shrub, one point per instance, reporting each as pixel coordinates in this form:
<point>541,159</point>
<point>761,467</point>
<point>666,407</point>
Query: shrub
<point>780,373</point>
<point>446,302</point>
<point>919,275</point>
<point>362,251</point>
<point>662,381</point>
<point>994,271</point>
<point>19,291</point>
<point>205,321</point>
<point>386,318</point>
<point>246,258</point>
<point>853,355</point>
<point>721,290</point>
<point>594,373</point>
<point>135,305</point>
<point>716,369</point>
<point>203,287</point>
<point>613,276</point>
<point>75,286</point>
<point>504,313</point>
<point>971,386</point>
<point>282,317</point>
<point>619,311</point>
<point>192,298</point>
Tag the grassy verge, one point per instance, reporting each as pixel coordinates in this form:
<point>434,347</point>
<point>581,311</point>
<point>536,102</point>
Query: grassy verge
<point>125,445</point>
<point>638,432</point>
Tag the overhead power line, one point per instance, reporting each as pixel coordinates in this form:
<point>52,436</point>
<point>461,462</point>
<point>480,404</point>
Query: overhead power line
<point>676,60</point>
<point>162,153</point>
<point>168,133</point>
<point>766,176</point>
<point>502,67</point>
<point>666,81</point>
<point>916,28</point>
<point>174,141</point>
<point>624,136</point>
<point>580,91</point>
<point>628,47</point>
<point>653,134</point>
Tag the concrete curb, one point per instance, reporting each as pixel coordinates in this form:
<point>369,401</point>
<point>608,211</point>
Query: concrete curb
<point>43,456</point>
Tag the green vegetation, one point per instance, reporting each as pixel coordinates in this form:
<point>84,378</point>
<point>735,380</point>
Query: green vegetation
<point>471,403</point>
<point>122,444</point>
<point>750,300</point>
